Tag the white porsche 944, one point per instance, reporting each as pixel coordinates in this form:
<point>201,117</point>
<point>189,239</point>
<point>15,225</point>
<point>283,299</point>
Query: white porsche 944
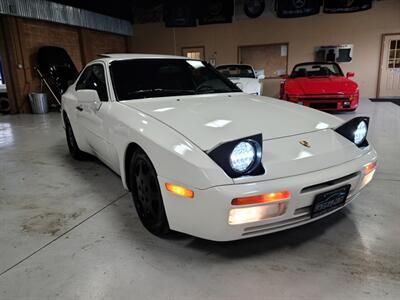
<point>201,157</point>
<point>244,77</point>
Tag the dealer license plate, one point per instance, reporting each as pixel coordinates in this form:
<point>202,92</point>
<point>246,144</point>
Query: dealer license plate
<point>329,201</point>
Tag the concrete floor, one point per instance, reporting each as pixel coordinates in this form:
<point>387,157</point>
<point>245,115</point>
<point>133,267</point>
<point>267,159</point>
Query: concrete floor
<point>68,230</point>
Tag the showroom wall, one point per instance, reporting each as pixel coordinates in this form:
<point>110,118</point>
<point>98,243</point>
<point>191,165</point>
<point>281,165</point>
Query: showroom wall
<point>23,37</point>
<point>363,29</point>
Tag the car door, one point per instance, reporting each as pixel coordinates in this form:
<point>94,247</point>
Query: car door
<point>92,106</point>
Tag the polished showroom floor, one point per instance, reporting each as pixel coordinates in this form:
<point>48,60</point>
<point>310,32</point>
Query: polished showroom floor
<point>68,230</point>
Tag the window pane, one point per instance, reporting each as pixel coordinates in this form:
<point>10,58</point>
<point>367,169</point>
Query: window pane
<point>99,82</point>
<point>316,69</point>
<point>393,45</point>
<point>236,71</point>
<point>146,78</point>
<point>93,78</point>
<point>80,85</point>
<point>193,55</point>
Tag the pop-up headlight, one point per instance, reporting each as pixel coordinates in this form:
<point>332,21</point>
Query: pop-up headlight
<point>240,157</point>
<point>355,130</point>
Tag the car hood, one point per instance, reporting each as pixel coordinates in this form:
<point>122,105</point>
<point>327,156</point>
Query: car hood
<point>212,119</point>
<point>321,85</point>
<point>247,85</point>
<point>57,68</point>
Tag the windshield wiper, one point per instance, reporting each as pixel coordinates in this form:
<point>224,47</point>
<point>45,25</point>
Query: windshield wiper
<point>209,89</point>
<point>161,91</point>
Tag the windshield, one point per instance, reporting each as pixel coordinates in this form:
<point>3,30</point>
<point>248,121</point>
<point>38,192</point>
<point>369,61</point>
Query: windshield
<point>236,71</point>
<point>316,70</point>
<point>144,78</point>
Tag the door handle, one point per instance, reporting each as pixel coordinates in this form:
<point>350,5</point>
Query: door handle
<point>79,108</point>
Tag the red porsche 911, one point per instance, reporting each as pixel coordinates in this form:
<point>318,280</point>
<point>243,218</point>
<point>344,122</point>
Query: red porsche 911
<point>321,85</point>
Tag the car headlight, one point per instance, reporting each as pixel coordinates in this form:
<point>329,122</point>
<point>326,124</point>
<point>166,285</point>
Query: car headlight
<point>360,133</point>
<point>240,157</point>
<point>355,130</point>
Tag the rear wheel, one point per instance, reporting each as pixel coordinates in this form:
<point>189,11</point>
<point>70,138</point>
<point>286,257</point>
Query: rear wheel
<point>147,195</point>
<point>74,150</point>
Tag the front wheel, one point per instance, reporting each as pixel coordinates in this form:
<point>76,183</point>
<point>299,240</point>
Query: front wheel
<point>74,150</point>
<point>146,194</point>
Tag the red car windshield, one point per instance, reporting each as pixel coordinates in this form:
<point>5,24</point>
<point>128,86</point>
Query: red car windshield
<point>316,70</point>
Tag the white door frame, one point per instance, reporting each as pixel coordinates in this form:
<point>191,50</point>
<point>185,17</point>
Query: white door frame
<point>378,89</point>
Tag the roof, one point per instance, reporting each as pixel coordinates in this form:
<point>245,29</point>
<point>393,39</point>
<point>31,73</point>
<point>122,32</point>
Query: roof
<point>123,56</point>
<point>228,65</point>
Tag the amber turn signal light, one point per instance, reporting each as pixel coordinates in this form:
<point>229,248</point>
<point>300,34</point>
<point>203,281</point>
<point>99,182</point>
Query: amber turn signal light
<point>266,198</point>
<point>369,167</point>
<point>179,190</point>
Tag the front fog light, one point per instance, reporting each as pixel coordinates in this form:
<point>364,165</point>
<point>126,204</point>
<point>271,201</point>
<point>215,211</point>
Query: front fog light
<point>360,133</point>
<point>242,157</point>
<point>257,213</point>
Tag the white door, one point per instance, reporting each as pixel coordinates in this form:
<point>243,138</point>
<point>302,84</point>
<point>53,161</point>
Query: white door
<point>91,113</point>
<point>389,85</point>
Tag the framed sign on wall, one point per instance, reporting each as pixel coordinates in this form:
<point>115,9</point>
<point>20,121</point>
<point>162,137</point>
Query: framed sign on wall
<point>336,53</point>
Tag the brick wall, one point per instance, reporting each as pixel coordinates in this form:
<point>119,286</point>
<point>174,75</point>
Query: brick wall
<point>38,34</point>
<point>25,36</point>
<point>96,42</point>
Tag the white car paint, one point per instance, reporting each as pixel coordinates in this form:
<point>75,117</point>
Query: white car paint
<point>253,86</point>
<point>178,132</point>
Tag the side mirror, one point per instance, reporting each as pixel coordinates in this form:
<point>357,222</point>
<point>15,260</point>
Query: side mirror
<point>261,77</point>
<point>349,74</point>
<point>89,98</point>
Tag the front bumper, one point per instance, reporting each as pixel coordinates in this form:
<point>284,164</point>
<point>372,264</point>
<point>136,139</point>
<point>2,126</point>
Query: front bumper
<point>328,102</point>
<point>206,215</point>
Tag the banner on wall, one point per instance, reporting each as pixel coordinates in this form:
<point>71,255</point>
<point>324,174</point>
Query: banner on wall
<point>297,8</point>
<point>179,13</point>
<point>346,6</point>
<point>215,11</point>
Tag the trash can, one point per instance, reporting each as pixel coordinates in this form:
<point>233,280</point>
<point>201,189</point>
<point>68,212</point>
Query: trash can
<point>39,103</point>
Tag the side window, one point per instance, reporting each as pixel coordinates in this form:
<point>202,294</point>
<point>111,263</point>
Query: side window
<point>82,82</point>
<point>93,78</point>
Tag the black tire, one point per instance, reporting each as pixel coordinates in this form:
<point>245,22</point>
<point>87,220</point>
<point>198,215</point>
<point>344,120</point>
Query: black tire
<point>146,194</point>
<point>4,105</point>
<point>74,150</point>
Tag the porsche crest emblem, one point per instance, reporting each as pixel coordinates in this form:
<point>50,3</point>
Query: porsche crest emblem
<point>305,144</point>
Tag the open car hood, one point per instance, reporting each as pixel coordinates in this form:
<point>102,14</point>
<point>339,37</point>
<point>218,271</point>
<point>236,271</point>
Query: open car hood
<point>211,119</point>
<point>57,68</point>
